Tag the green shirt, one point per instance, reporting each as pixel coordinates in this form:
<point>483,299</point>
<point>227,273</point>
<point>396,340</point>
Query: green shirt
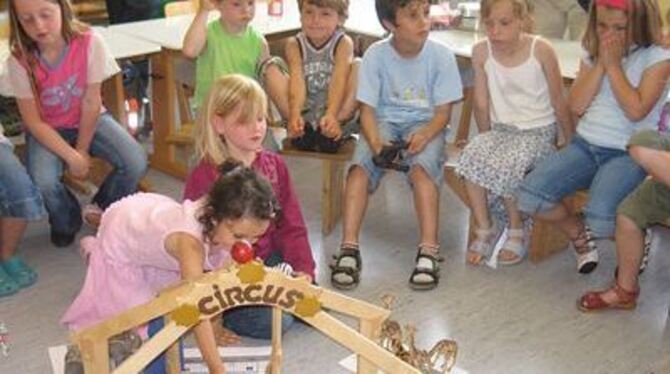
<point>224,54</point>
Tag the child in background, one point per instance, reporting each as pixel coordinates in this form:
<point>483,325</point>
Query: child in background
<point>147,242</point>
<point>648,205</point>
<point>55,71</point>
<point>407,84</point>
<point>20,202</point>
<point>518,100</point>
<point>322,81</point>
<point>231,125</point>
<point>231,46</point>
<point>619,89</point>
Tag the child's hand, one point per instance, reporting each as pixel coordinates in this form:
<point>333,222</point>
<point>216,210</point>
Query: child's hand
<point>207,5</point>
<point>79,165</point>
<point>296,127</point>
<point>611,50</point>
<point>222,335</point>
<point>330,127</point>
<point>417,141</point>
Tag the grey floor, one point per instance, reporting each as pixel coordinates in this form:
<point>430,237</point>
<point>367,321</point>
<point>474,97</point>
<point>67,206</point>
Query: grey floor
<point>520,319</point>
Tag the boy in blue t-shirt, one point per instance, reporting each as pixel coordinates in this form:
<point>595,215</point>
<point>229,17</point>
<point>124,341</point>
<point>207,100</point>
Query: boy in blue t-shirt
<point>407,84</point>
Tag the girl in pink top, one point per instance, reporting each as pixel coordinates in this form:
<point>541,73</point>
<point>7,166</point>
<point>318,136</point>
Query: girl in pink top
<point>55,71</point>
<point>147,242</point>
<point>232,125</point>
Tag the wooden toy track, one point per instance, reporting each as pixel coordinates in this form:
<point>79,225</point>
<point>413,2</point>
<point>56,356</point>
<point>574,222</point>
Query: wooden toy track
<point>187,303</point>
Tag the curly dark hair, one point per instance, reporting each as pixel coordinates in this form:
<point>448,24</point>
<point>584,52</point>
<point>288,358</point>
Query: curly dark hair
<point>239,192</point>
<point>386,9</point>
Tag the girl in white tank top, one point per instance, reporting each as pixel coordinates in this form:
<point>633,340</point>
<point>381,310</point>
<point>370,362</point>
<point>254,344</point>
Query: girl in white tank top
<point>518,100</point>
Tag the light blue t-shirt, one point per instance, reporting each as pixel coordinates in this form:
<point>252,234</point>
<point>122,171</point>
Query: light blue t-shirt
<point>605,124</point>
<point>406,90</point>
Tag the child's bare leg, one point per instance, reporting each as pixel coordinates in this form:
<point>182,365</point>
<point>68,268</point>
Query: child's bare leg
<point>561,216</point>
<point>629,252</point>
<point>11,232</point>
<point>515,223</point>
<point>426,204</point>
<point>349,104</point>
<point>276,86</point>
<point>478,206</point>
<point>355,204</point>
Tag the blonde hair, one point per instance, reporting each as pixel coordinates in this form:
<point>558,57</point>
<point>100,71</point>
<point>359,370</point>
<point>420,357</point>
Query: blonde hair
<point>521,9</point>
<point>644,26</point>
<point>340,6</point>
<point>226,95</point>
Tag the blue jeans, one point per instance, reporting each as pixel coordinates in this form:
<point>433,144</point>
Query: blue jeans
<point>256,321</point>
<point>19,198</point>
<point>609,174</point>
<point>112,143</point>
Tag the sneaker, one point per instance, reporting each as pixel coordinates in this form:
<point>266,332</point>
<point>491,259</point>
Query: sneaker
<point>62,239</point>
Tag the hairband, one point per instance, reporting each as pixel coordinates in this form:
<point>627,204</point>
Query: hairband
<point>618,4</point>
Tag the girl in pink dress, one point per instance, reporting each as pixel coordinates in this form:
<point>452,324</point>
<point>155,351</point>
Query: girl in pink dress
<point>232,125</point>
<point>147,242</point>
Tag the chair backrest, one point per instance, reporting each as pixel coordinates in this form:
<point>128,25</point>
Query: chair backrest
<point>179,8</point>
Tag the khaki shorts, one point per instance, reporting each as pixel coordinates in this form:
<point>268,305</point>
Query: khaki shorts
<point>649,204</point>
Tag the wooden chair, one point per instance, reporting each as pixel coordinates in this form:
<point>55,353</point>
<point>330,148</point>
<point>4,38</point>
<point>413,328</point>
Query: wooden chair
<point>545,239</point>
<point>178,8</point>
<point>332,179</point>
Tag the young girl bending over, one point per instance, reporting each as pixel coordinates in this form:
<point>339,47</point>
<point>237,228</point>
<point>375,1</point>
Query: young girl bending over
<point>55,71</point>
<point>322,77</point>
<point>231,125</point>
<point>518,100</point>
<point>619,89</point>
<point>147,242</point>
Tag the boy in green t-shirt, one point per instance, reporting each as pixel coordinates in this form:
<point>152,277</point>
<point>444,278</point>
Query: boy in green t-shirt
<point>230,45</point>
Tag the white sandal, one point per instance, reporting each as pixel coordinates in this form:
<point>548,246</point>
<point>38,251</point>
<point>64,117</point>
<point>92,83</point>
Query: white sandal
<point>516,246</point>
<point>91,214</point>
<point>485,242</point>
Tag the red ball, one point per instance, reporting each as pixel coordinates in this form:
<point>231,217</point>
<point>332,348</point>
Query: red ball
<point>242,252</point>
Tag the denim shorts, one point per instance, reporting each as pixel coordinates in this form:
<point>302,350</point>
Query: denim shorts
<point>430,159</point>
<point>609,175</point>
<point>19,198</point>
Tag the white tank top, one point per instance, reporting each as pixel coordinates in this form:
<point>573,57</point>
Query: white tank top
<point>519,95</point>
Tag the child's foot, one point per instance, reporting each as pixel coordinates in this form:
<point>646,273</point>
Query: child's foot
<point>20,272</point>
<point>614,298</point>
<point>8,285</point>
<point>426,273</point>
<point>483,244</point>
<point>346,267</point>
<point>514,248</point>
<point>585,250</point>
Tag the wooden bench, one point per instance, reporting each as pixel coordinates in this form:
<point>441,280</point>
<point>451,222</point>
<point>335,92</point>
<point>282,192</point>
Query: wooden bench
<point>332,179</point>
<point>544,238</point>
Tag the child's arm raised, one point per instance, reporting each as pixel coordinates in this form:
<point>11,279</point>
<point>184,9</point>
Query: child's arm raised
<point>636,102</point>
<point>547,57</point>
<point>585,87</point>
<point>196,36</point>
<point>77,163</point>
<point>190,253</point>
<point>481,89</point>
<point>296,88</point>
<point>344,54</point>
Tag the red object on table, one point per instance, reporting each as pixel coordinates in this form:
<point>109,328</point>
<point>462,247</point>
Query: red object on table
<point>242,252</point>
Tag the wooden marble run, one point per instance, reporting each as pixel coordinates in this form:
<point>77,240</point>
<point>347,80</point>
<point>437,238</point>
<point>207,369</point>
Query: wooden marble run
<point>250,283</point>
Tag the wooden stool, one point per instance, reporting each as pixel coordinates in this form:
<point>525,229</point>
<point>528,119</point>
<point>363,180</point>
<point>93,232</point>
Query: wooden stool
<point>332,180</point>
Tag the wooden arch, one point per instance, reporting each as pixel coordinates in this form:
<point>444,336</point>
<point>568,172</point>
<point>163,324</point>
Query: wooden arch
<point>187,303</point>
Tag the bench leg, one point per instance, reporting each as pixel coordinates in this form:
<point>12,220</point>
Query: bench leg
<point>331,198</point>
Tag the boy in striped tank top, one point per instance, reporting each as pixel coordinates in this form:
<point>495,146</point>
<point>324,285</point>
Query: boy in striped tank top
<point>322,77</point>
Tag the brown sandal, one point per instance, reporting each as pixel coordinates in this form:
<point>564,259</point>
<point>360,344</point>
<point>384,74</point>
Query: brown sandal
<point>593,301</point>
